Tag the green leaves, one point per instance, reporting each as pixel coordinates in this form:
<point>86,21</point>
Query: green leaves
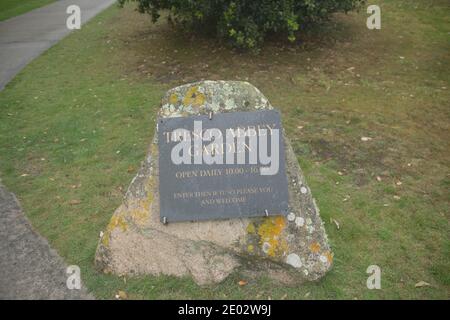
<point>245,24</point>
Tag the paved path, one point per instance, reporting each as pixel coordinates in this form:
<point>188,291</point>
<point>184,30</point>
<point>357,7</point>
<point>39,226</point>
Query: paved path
<point>29,268</point>
<point>25,37</point>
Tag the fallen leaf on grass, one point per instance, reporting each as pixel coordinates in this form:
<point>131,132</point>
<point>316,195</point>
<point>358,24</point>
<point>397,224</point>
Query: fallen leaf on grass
<point>335,222</point>
<point>121,295</point>
<point>242,283</point>
<point>421,284</point>
<point>74,202</point>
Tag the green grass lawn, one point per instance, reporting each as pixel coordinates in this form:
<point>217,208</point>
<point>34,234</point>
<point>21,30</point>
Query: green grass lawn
<point>12,8</point>
<point>75,124</point>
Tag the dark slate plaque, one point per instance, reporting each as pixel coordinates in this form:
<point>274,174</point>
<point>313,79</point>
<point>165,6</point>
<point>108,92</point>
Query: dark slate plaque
<point>192,192</point>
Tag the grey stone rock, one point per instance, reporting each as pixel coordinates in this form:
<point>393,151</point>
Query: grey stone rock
<point>288,249</point>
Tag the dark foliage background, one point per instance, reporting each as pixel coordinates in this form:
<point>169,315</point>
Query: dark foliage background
<point>246,23</point>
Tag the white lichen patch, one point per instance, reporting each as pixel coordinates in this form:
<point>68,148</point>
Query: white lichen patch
<point>299,221</point>
<point>291,216</point>
<point>229,104</point>
<point>266,247</point>
<point>294,260</point>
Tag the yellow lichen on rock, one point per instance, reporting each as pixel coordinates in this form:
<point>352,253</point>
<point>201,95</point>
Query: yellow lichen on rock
<point>140,213</point>
<point>117,221</point>
<point>314,247</point>
<point>329,256</point>
<point>105,239</point>
<point>251,228</point>
<point>173,99</point>
<point>193,97</point>
<point>269,232</point>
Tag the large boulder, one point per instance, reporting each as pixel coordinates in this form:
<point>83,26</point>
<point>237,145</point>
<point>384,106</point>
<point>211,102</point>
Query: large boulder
<point>289,249</point>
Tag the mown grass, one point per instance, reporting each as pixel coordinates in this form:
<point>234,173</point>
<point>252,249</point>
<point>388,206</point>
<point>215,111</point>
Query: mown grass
<point>75,124</point>
<point>12,8</point>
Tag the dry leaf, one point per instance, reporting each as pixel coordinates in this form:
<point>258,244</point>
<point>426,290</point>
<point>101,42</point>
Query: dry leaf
<point>242,283</point>
<point>122,295</point>
<point>74,202</point>
<point>421,284</point>
<point>336,223</point>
